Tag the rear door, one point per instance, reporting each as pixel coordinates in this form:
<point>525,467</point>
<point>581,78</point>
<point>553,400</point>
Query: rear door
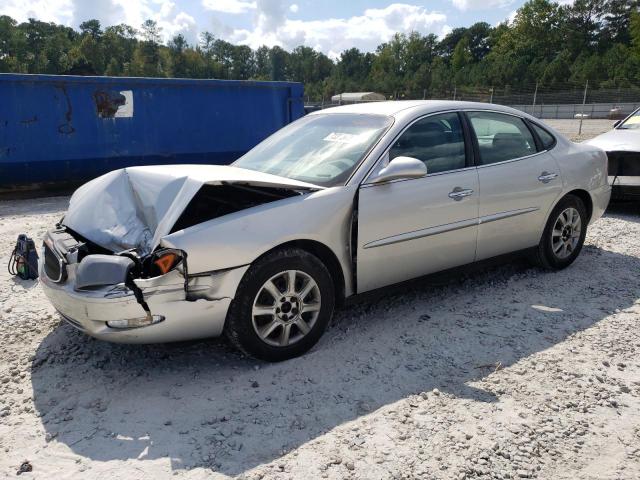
<point>519,182</point>
<point>411,227</point>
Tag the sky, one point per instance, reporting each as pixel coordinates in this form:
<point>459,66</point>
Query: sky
<point>330,26</point>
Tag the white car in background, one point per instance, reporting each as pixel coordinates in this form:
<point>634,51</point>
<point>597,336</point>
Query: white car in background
<point>622,145</point>
<point>341,202</point>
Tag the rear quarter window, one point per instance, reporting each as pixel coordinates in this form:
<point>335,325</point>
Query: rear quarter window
<point>548,141</point>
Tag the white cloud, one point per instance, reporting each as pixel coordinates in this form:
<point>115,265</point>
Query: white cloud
<point>271,22</point>
<point>59,11</point>
<point>480,4</point>
<point>174,22</point>
<point>445,30</point>
<point>183,24</point>
<point>229,6</point>
<point>169,17</point>
<point>271,15</point>
<point>107,11</point>
<point>334,35</point>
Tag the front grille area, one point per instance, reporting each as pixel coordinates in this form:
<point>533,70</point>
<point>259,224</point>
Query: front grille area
<point>53,266</point>
<point>624,164</point>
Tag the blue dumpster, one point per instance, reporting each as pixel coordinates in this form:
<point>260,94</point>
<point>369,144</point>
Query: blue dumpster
<point>69,129</point>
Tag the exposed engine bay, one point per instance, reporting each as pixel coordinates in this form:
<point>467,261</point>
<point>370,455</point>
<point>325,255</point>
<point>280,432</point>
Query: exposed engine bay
<point>213,201</point>
<point>134,208</point>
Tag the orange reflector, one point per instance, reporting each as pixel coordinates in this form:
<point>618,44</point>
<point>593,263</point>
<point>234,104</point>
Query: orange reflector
<point>166,261</point>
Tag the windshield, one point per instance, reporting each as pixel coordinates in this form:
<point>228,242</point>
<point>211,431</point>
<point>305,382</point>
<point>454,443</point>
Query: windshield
<point>322,149</point>
<point>631,123</point>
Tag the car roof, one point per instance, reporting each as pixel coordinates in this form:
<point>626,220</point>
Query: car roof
<point>394,107</point>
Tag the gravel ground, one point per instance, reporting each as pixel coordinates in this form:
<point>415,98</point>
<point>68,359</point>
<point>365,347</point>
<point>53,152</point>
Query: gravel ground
<point>506,372</point>
<point>590,128</point>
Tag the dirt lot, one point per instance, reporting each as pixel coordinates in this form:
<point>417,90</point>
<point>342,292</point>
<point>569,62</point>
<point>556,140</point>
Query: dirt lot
<point>590,128</point>
<point>510,372</point>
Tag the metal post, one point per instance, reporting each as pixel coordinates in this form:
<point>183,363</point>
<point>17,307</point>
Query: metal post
<point>491,99</point>
<point>584,100</point>
<point>535,96</point>
<point>455,90</point>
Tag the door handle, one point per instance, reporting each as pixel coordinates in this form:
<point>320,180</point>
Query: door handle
<point>546,177</point>
<point>459,193</point>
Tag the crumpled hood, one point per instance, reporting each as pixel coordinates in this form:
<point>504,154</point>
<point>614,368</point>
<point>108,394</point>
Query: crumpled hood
<point>135,207</point>
<point>617,140</point>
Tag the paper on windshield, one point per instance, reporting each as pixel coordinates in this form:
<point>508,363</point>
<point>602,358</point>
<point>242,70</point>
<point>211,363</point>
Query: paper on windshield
<point>346,138</point>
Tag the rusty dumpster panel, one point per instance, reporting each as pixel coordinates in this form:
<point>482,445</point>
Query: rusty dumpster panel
<point>57,129</point>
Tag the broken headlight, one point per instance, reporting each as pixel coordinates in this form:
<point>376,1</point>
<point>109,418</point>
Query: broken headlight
<point>162,262</point>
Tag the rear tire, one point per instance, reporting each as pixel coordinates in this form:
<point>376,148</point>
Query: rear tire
<point>283,306</point>
<point>563,234</point>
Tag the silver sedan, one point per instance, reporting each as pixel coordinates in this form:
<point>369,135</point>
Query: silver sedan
<point>341,202</point>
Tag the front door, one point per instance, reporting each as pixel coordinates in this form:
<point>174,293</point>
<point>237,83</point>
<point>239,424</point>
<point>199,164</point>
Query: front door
<point>409,228</point>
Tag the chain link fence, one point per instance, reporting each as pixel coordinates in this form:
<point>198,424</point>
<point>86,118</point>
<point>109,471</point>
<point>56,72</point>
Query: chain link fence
<point>558,101</point>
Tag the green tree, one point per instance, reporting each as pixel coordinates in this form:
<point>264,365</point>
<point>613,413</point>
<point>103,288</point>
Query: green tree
<point>147,59</point>
<point>278,61</point>
<point>177,48</point>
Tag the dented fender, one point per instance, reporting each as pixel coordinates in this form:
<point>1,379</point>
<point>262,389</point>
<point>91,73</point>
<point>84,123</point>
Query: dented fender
<point>240,238</point>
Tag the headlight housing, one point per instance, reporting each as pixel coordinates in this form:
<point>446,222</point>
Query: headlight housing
<point>162,262</point>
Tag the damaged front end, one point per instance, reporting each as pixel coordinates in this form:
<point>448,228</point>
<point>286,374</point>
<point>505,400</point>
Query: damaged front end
<point>112,296</point>
<point>624,174</point>
<point>105,269</point>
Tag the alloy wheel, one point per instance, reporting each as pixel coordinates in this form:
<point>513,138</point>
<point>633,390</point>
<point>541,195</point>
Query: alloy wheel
<point>565,235</point>
<point>286,308</point>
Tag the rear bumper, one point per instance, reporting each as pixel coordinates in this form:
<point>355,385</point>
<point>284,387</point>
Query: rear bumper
<point>89,311</point>
<point>600,197</point>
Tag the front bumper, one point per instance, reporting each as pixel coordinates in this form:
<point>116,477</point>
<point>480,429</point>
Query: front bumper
<point>201,316</point>
<point>625,188</point>
<point>624,174</point>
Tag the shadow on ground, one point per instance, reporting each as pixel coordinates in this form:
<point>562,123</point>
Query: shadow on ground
<point>629,210</point>
<point>202,405</point>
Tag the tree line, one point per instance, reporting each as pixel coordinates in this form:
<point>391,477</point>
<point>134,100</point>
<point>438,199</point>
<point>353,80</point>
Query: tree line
<point>546,42</point>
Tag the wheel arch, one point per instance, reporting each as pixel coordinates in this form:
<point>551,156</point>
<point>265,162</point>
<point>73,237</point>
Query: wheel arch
<point>583,195</point>
<point>325,255</point>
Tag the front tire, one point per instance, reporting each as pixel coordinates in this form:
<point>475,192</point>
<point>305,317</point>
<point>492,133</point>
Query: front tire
<point>283,306</point>
<point>564,234</point>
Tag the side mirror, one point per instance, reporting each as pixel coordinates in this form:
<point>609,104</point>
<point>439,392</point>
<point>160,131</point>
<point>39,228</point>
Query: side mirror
<point>401,167</point>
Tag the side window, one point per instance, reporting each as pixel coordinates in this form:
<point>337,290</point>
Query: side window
<point>548,140</point>
<point>437,140</point>
<point>501,137</point>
